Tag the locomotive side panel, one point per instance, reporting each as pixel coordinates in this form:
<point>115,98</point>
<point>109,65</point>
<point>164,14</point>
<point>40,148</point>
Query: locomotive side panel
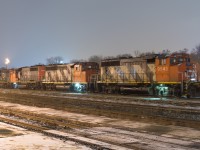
<point>37,73</point>
<point>41,73</point>
<point>162,70</point>
<point>136,68</point>
<point>151,72</point>
<point>141,68</point>
<point>34,74</point>
<point>4,75</point>
<point>128,71</point>
<point>50,73</point>
<point>24,74</point>
<point>63,73</point>
<point>13,76</point>
<point>143,72</point>
<point>123,74</point>
<point>174,74</point>
<point>58,73</point>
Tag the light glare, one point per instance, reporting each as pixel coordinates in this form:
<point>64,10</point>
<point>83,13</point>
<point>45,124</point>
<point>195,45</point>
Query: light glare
<point>7,61</point>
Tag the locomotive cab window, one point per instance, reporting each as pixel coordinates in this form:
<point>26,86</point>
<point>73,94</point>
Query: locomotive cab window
<point>172,61</point>
<point>180,60</point>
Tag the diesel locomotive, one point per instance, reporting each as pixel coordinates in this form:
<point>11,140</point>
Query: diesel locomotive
<point>154,74</point>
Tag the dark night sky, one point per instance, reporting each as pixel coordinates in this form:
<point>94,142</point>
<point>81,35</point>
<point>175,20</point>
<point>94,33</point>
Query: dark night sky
<point>33,30</point>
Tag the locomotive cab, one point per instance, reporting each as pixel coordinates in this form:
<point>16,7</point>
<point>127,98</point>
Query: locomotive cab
<point>82,73</point>
<point>173,72</point>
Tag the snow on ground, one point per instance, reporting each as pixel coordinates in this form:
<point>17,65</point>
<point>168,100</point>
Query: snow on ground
<point>52,112</point>
<point>145,127</point>
<point>22,139</point>
<point>36,141</point>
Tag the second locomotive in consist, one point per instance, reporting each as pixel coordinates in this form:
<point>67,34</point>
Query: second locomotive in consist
<point>155,74</point>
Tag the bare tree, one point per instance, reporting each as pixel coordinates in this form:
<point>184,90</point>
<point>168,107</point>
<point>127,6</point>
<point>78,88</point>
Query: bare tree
<point>120,56</point>
<point>146,54</point>
<point>77,60</point>
<point>185,50</point>
<point>195,54</point>
<point>54,60</point>
<point>166,51</point>
<point>95,58</point>
<point>124,56</point>
<point>109,57</point>
<point>195,58</point>
<point>58,59</point>
<point>137,53</point>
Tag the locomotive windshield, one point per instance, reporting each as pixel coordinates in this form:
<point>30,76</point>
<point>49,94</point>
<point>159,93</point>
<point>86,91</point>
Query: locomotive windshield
<point>178,60</point>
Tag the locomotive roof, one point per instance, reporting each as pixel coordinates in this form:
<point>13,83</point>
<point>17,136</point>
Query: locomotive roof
<point>176,54</point>
<point>117,61</point>
<point>86,63</point>
<point>145,57</point>
<point>59,64</point>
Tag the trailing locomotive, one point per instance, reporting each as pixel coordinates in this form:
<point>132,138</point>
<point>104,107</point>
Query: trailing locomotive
<point>156,74</point>
<point>72,77</point>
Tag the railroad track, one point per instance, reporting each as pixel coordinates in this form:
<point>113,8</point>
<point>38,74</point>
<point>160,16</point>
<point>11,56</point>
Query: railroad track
<point>59,131</point>
<point>62,128</point>
<point>56,127</point>
<point>53,122</point>
<point>111,98</point>
<point>166,114</point>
